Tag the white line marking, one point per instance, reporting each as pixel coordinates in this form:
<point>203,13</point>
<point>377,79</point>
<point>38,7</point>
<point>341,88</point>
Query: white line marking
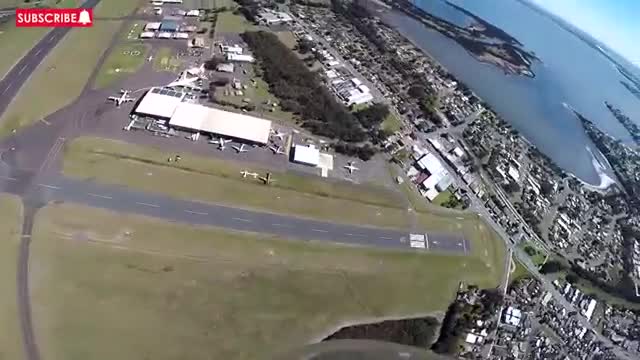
<point>22,70</point>
<point>281,225</point>
<point>147,204</point>
<point>49,186</point>
<point>38,52</point>
<point>8,178</point>
<point>99,196</point>
<point>464,245</point>
<point>320,230</point>
<point>349,234</point>
<point>426,240</point>
<point>196,212</point>
<point>385,238</point>
<point>460,218</point>
<point>241,219</point>
<point>51,39</point>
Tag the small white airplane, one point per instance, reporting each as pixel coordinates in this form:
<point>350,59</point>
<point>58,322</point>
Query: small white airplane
<point>350,167</point>
<point>150,58</point>
<point>123,98</point>
<point>278,134</point>
<point>220,142</point>
<point>277,150</point>
<point>246,173</point>
<point>240,149</point>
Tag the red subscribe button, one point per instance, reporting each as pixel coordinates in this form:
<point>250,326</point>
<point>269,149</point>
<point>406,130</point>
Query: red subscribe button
<point>54,17</point>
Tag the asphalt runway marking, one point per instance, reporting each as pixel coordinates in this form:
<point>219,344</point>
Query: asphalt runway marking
<point>358,235</point>
<point>426,240</point>
<point>8,178</point>
<point>38,52</point>
<point>147,204</point>
<point>280,225</point>
<point>100,196</point>
<point>196,212</point>
<point>241,219</point>
<point>7,88</point>
<point>320,230</point>
<point>49,186</point>
<point>385,238</point>
<point>22,70</point>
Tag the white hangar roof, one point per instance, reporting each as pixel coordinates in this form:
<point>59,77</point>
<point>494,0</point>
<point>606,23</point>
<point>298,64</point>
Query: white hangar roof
<point>224,123</point>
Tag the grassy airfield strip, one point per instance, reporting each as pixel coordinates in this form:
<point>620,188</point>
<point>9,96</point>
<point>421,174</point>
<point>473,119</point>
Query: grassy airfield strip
<point>211,179</point>
<point>124,60</point>
<point>64,72</point>
<point>16,42</point>
<point>10,227</point>
<point>167,291</point>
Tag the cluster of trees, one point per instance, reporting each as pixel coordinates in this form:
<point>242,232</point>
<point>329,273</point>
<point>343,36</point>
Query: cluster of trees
<point>412,332</point>
<point>363,152</point>
<point>301,91</point>
<point>461,316</point>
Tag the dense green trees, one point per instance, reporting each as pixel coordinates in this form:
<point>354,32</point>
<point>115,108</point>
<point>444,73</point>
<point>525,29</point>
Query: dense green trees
<point>302,92</point>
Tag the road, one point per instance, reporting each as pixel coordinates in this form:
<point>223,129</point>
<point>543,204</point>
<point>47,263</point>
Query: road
<point>18,75</point>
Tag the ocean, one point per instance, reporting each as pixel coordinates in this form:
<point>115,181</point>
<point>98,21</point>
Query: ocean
<point>571,74</point>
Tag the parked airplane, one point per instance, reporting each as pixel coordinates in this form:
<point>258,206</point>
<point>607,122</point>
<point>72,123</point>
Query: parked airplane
<point>150,58</point>
<point>220,142</point>
<point>350,167</point>
<point>246,173</point>
<point>277,150</point>
<point>123,98</point>
<point>279,135</point>
<point>240,149</point>
<point>267,180</point>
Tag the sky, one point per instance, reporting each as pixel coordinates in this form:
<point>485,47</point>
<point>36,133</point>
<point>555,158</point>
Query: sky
<point>614,22</point>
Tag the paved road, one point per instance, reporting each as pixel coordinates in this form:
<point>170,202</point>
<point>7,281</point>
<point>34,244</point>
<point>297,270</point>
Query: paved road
<point>13,81</point>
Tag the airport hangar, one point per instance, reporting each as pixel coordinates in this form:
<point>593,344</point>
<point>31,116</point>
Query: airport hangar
<point>168,104</point>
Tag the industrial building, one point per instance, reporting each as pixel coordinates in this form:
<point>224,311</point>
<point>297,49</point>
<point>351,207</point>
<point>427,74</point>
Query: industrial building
<point>352,92</point>
<point>169,26</point>
<point>306,155</point>
<point>239,58</point>
<point>167,104</point>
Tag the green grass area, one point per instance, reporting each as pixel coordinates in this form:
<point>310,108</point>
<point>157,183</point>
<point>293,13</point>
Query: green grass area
<point>163,290</point>
<point>15,43</point>
<point>538,256</point>
<point>228,22</point>
<point>39,3</point>
<point>208,4</point>
<point>216,180</point>
<point>391,124</point>
<point>61,76</point>
<point>258,94</point>
<point>123,61</point>
<point>519,272</point>
<point>10,226</point>
<point>166,60</point>
<point>133,32</point>
<point>442,198</point>
<point>287,38</point>
<point>115,8</point>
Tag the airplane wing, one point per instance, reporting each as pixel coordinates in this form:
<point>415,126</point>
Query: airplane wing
<point>113,98</point>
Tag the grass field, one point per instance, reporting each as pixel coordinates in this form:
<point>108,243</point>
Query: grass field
<point>391,124</point>
<point>260,96</point>
<point>228,22</point>
<point>61,76</point>
<point>287,38</point>
<point>208,4</point>
<point>538,256</point>
<point>123,61</point>
<point>15,43</point>
<point>165,60</point>
<point>211,179</point>
<point>520,272</point>
<point>10,225</point>
<point>167,291</point>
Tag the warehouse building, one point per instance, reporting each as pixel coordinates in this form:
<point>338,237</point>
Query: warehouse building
<point>167,104</point>
<point>306,155</point>
<point>169,26</point>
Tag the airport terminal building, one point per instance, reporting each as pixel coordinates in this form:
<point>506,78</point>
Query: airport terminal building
<point>169,105</point>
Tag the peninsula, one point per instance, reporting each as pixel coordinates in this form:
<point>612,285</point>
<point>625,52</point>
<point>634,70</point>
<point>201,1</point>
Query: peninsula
<point>483,40</point>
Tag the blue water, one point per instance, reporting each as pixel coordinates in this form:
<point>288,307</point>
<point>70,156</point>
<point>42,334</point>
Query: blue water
<point>570,72</point>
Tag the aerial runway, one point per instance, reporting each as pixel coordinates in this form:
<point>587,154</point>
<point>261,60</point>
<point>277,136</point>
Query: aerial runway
<point>18,75</point>
<point>123,200</point>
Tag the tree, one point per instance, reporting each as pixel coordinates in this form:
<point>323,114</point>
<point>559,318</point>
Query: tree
<point>552,266</point>
<point>417,91</point>
<point>572,278</point>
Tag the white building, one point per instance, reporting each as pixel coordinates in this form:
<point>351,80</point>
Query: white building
<point>306,154</point>
<point>512,316</point>
<point>239,57</point>
<point>231,49</point>
<point>152,26</point>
